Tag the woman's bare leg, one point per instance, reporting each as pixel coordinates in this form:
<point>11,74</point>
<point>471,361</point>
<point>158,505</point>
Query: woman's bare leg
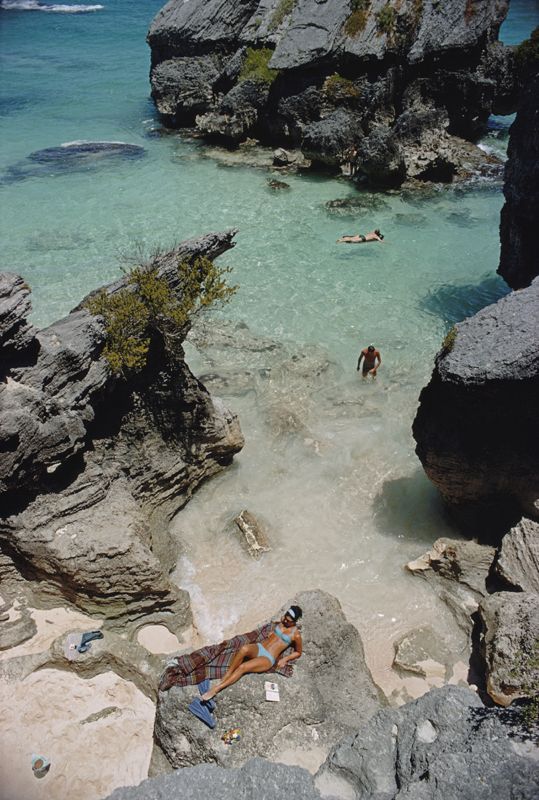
<point>245,651</point>
<point>259,664</point>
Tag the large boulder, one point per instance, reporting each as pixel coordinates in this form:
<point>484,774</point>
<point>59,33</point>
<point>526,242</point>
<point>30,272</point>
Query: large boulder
<point>457,571</point>
<point>330,690</point>
<point>257,778</point>
<point>444,745</point>
<point>359,59</point>
<point>476,427</point>
<point>519,264</point>
<point>518,561</point>
<point>93,464</point>
<point>510,645</point>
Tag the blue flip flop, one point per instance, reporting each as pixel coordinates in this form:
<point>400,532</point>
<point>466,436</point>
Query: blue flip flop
<point>204,687</point>
<point>201,711</point>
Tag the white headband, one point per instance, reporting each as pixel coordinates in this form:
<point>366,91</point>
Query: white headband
<point>290,613</point>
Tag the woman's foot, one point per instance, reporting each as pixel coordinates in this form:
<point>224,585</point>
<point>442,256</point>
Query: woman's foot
<point>207,696</point>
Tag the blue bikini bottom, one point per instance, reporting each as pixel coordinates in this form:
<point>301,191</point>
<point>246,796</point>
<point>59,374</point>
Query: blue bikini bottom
<point>263,652</point>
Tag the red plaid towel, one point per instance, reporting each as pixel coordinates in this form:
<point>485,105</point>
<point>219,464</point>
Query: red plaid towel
<point>212,662</point>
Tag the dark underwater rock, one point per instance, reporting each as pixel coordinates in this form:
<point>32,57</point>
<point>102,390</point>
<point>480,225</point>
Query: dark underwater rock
<point>72,156</point>
<point>477,426</point>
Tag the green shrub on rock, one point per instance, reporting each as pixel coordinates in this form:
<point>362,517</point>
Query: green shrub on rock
<point>147,306</point>
<point>385,19</point>
<point>358,18</point>
<point>336,88</point>
<point>255,67</point>
<point>449,341</point>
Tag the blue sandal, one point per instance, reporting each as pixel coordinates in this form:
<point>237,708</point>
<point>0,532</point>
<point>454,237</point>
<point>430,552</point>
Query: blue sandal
<point>201,711</point>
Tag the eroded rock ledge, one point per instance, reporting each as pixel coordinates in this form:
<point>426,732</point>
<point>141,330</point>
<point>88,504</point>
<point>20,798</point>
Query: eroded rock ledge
<point>93,466</point>
<point>401,83</point>
<point>477,427</point>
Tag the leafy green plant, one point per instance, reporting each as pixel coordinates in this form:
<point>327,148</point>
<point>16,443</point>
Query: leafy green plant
<point>147,305</point>
<point>337,88</point>
<point>385,19</point>
<point>283,9</point>
<point>358,18</point>
<point>449,341</point>
<point>255,66</point>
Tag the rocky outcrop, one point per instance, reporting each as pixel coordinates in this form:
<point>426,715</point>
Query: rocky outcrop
<point>17,336</point>
<point>510,645</point>
<point>457,571</point>
<point>331,689</point>
<point>476,426</point>
<point>257,778</point>
<point>444,745</point>
<point>93,465</point>
<point>519,264</point>
<point>518,561</point>
<point>392,82</point>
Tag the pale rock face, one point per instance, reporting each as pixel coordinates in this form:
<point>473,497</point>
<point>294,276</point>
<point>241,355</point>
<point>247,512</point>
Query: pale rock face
<point>92,466</point>
<point>510,645</point>
<point>518,562</point>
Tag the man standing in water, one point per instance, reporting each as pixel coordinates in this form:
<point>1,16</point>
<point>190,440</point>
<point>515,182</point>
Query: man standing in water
<point>369,355</point>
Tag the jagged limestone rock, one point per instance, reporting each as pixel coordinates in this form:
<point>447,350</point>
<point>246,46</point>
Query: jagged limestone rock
<point>510,645</point>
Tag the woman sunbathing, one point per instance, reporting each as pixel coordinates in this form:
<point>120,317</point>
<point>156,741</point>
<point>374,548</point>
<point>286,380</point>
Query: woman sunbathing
<point>359,238</point>
<point>261,657</point>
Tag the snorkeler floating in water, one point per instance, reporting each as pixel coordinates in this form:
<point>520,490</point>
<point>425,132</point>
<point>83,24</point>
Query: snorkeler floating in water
<point>359,238</point>
<point>261,657</point>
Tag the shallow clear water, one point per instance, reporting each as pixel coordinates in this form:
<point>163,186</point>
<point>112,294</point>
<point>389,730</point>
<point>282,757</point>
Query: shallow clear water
<point>344,498</point>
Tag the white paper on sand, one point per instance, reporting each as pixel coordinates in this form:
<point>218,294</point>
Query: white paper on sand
<point>272,691</point>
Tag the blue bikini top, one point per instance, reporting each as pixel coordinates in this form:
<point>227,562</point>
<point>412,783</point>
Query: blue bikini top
<point>283,636</point>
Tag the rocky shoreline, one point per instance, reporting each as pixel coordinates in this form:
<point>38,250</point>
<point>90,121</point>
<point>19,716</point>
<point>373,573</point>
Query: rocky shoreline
<point>82,448</point>
<point>398,92</point>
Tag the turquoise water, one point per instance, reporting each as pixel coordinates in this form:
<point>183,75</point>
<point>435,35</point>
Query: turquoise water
<point>363,502</point>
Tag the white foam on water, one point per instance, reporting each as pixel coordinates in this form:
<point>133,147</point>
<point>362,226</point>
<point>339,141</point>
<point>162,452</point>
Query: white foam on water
<point>55,8</point>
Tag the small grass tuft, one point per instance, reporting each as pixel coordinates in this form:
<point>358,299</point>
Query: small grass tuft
<point>255,67</point>
<point>385,19</point>
<point>449,341</point>
<point>283,9</point>
<point>358,18</point>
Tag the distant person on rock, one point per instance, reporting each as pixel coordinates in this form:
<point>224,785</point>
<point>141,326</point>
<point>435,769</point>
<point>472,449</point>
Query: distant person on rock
<point>261,657</point>
<point>369,355</point>
<point>359,238</point>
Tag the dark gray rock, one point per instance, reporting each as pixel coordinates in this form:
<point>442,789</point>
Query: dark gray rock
<point>328,140</point>
<point>444,745</point>
<point>518,256</point>
<point>457,571</point>
<point>518,561</point>
<point>183,87</point>
<point>72,157</point>
<point>510,645</point>
<point>92,465</point>
<point>16,334</point>
<point>330,689</point>
<point>487,376</point>
<point>258,778</point>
